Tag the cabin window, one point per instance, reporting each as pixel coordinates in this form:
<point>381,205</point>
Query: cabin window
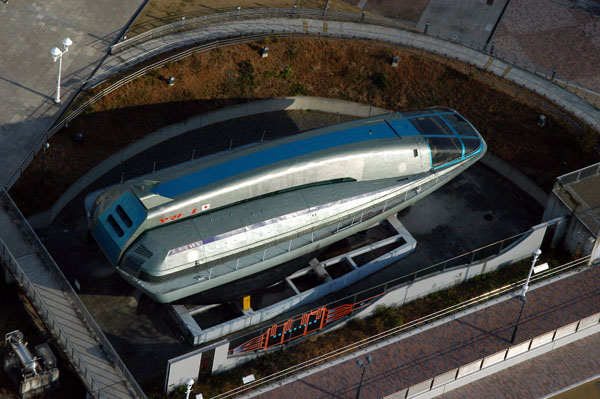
<point>431,125</point>
<point>115,226</point>
<point>471,145</point>
<point>444,150</point>
<point>124,217</point>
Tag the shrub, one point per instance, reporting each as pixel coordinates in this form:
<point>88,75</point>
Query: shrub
<point>287,73</point>
<point>299,90</point>
<point>246,75</point>
<point>291,52</point>
<point>380,79</point>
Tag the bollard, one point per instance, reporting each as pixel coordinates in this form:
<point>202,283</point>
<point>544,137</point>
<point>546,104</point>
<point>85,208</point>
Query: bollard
<point>553,74</point>
<point>492,49</point>
<point>426,26</point>
<point>362,17</point>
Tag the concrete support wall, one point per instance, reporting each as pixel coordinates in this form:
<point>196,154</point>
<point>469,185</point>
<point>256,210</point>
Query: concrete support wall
<point>406,293</point>
<point>427,285</point>
<point>516,177</point>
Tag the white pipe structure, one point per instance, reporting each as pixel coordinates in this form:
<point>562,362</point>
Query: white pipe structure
<point>189,382</point>
<point>536,255</point>
<point>57,55</point>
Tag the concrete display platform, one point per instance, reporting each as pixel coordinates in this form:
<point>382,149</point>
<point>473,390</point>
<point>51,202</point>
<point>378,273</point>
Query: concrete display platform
<point>306,285</point>
<point>474,209</point>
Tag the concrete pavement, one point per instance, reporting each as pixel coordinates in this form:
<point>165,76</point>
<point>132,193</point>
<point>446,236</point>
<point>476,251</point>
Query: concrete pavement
<point>28,76</point>
<point>437,350</point>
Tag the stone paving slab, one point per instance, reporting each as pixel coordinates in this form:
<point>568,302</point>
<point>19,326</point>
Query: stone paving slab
<point>28,76</point>
<point>454,344</point>
<point>552,35</point>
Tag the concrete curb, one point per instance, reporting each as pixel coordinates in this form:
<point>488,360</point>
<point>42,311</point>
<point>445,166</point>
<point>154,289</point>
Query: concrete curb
<point>516,177</point>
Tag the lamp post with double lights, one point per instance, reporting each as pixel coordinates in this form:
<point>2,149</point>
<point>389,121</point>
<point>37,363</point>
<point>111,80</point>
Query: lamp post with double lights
<point>57,55</point>
<point>536,255</point>
<point>363,366</point>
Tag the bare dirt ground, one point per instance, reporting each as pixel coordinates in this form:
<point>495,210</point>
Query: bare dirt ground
<point>349,70</point>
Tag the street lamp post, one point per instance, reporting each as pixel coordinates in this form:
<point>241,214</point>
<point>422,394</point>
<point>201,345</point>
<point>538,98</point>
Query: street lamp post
<point>536,255</point>
<point>57,55</point>
<point>44,148</point>
<point>190,383</point>
<point>363,366</point>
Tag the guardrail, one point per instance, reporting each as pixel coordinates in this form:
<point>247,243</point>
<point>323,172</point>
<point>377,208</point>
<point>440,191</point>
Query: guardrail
<point>348,350</point>
<point>86,317</point>
<point>245,14</point>
<point>578,175</point>
<point>68,348</point>
<point>438,382</point>
<point>463,260</point>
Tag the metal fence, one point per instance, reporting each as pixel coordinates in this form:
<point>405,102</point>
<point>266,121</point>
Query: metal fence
<point>348,350</point>
<point>73,298</point>
<point>249,14</point>
<point>463,260</point>
<point>578,175</point>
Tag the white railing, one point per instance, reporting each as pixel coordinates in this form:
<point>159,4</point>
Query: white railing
<point>438,382</point>
<point>67,290</point>
<point>377,338</point>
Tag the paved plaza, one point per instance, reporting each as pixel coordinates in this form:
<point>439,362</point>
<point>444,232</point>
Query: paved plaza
<point>28,76</point>
<point>443,348</point>
<point>552,35</point>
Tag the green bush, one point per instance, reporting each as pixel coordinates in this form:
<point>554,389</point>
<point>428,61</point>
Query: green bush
<point>299,90</point>
<point>287,73</point>
<point>380,79</point>
<point>246,75</point>
<point>291,52</point>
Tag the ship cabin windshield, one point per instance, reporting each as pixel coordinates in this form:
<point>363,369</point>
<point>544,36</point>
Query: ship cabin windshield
<point>451,138</point>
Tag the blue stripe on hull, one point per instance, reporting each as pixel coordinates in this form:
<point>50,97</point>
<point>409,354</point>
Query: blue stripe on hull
<point>173,188</point>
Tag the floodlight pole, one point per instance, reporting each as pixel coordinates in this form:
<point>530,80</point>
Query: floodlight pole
<point>189,382</point>
<point>44,148</point>
<point>363,366</point>
<point>536,255</point>
<point>57,55</point>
